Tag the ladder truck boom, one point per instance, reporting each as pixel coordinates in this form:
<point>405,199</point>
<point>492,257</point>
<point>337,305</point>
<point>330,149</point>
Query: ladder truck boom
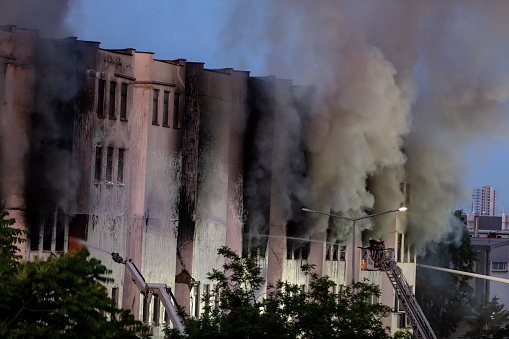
<point>149,289</point>
<point>381,259</point>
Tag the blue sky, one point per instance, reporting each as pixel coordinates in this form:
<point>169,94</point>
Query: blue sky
<point>190,30</point>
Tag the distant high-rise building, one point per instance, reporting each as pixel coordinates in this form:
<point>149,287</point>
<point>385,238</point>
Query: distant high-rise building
<point>485,201</point>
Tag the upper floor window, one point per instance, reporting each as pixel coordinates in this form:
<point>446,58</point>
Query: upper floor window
<point>176,111</point>
<point>155,104</point>
<point>121,166</point>
<point>499,266</point>
<point>109,165</point>
<point>113,88</point>
<point>100,98</point>
<point>166,99</point>
<point>123,102</point>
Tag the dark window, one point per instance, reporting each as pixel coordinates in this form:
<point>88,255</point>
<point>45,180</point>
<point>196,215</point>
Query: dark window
<point>412,253</point>
<point>114,297</point>
<point>145,310</point>
<point>166,99</point>
<point>176,111</point>
<point>155,314</point>
<point>113,87</point>
<point>109,165</point>
<point>123,102</point>
<point>77,230</point>
<point>48,232</point>
<point>59,244</point>
<point>120,170</point>
<point>155,103</point>
<point>335,251</point>
<point>100,98</point>
<point>98,163</point>
<point>342,254</point>
<point>35,234</point>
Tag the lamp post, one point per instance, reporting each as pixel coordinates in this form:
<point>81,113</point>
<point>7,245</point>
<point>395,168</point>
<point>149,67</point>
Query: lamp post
<point>353,237</point>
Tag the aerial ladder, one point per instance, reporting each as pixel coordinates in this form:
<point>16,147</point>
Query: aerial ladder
<point>377,258</point>
<point>150,289</point>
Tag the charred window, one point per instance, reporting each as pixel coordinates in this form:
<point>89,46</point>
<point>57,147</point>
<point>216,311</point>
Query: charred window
<point>123,102</point>
<point>100,98</point>
<point>155,104</point>
<point>296,248</point>
<point>60,232</point>
<point>113,88</point>
<point>166,99</point>
<point>109,164</point>
<point>176,111</point>
<point>120,170</point>
<point>77,230</point>
<point>412,253</point>
<point>98,163</point>
<point>342,253</point>
<point>48,226</point>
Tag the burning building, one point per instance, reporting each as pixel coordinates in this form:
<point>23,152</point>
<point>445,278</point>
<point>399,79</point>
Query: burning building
<point>164,161</point>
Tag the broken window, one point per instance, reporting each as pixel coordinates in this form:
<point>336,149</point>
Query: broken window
<point>113,87</point>
<point>176,111</point>
<point>98,163</point>
<point>77,230</point>
<point>48,223</point>
<point>123,102</point>
<point>342,254</point>
<point>60,232</point>
<point>166,100</point>
<point>155,103</point>
<point>100,98</point>
<point>109,164</point>
<point>120,170</point>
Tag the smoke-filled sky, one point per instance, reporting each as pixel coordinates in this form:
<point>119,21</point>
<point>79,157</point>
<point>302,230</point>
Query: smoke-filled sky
<point>421,84</point>
<point>264,38</point>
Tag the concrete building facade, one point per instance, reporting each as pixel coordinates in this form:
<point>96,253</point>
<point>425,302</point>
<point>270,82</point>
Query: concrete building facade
<point>485,201</point>
<point>162,161</point>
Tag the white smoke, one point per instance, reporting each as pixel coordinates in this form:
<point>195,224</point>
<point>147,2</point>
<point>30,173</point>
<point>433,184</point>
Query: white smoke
<point>399,84</point>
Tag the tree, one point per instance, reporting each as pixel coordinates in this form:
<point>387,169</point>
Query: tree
<point>446,298</point>
<point>487,321</point>
<point>59,297</point>
<point>287,311</point>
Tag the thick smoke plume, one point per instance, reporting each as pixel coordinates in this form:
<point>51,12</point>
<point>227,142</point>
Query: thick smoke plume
<point>46,19</point>
<point>402,87</point>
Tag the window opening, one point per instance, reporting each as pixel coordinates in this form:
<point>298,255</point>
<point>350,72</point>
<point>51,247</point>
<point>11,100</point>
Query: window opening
<point>109,165</point>
<point>100,98</point>
<point>166,100</point>
<point>120,170</point>
<point>123,102</point>
<point>155,314</point>
<point>113,87</point>
<point>155,103</point>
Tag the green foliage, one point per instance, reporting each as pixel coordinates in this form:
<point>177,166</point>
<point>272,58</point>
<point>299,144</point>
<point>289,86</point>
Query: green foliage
<point>446,299</point>
<point>286,311</point>
<point>487,321</point>
<point>59,297</point>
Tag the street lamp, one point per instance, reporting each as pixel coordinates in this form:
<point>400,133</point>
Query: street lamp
<point>401,209</point>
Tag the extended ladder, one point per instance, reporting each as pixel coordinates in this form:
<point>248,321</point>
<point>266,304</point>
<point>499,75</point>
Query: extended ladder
<point>422,329</point>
